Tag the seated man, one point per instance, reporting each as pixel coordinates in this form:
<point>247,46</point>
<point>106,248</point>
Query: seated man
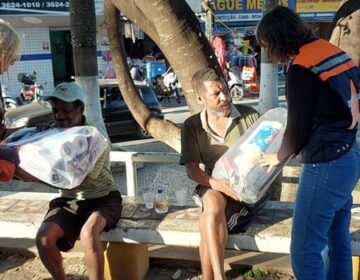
<point>205,138</point>
<point>86,211</point>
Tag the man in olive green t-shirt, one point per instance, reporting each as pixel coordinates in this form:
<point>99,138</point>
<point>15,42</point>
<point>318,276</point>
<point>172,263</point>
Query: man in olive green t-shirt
<point>205,138</point>
<point>86,211</point>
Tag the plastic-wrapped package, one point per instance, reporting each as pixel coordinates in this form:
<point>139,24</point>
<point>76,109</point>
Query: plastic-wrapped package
<point>59,157</point>
<point>240,162</point>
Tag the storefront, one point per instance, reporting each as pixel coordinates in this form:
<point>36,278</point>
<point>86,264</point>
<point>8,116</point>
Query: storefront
<point>44,26</point>
<point>242,15</point>
<point>235,22</point>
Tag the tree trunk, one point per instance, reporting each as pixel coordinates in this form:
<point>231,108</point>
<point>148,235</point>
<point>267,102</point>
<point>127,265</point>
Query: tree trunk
<point>83,33</point>
<point>268,97</point>
<point>346,33</point>
<point>172,25</point>
<point>164,130</point>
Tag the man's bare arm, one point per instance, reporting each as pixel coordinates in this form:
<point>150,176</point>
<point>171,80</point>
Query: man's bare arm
<point>22,175</point>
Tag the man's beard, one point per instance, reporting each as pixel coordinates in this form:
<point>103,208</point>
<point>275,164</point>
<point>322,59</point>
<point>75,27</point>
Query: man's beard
<point>222,110</point>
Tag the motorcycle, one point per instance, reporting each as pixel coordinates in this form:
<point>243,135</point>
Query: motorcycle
<point>29,91</point>
<point>167,85</point>
<point>235,85</point>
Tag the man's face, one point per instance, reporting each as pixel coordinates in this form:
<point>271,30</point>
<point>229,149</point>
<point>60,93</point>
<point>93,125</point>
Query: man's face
<point>66,114</point>
<point>216,98</point>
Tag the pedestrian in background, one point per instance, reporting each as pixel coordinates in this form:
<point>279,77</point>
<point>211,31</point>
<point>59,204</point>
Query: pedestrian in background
<point>322,86</point>
<point>9,51</point>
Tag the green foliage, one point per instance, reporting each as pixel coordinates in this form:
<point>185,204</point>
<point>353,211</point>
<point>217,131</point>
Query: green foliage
<point>257,273</point>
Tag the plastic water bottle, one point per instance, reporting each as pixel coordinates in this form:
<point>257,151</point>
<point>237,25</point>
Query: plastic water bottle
<point>161,201</point>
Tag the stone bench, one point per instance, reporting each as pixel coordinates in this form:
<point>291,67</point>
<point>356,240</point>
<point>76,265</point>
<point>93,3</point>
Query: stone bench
<point>126,246</point>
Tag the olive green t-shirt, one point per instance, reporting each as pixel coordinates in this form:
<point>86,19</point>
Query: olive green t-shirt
<point>200,146</point>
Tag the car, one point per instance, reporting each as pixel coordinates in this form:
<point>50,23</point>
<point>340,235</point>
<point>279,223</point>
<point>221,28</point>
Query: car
<point>117,116</point>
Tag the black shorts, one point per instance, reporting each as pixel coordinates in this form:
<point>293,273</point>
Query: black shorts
<point>238,214</point>
<point>71,215</point>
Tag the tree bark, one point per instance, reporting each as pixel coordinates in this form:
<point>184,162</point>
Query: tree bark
<point>163,130</point>
<point>346,33</point>
<point>172,25</point>
<point>83,34</point>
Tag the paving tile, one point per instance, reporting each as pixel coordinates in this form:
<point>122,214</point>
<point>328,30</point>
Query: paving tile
<point>6,204</point>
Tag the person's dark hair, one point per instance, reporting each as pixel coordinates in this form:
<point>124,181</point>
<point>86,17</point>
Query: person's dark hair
<point>282,32</point>
<point>201,76</point>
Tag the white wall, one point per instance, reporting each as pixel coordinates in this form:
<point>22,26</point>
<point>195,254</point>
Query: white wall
<point>32,47</point>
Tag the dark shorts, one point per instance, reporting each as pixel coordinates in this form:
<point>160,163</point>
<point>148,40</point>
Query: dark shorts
<point>71,215</point>
<point>238,214</point>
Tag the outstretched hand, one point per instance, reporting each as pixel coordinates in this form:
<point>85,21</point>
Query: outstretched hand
<point>270,160</point>
<point>223,185</point>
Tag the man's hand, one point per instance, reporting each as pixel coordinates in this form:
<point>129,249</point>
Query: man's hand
<point>270,160</point>
<point>223,185</point>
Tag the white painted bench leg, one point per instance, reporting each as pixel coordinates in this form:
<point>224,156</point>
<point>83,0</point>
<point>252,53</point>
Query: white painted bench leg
<point>355,263</point>
<point>125,261</point>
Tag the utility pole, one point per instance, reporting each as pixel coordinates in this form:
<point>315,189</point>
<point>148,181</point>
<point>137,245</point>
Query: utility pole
<point>209,20</point>
<point>268,97</point>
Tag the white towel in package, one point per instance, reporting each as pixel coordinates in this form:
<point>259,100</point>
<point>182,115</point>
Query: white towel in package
<point>59,157</point>
<point>240,162</point>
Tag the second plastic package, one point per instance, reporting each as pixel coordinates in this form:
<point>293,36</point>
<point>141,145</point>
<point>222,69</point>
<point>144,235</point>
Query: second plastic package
<point>240,162</point>
<point>59,157</point>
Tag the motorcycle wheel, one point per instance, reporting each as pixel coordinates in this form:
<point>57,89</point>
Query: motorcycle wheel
<point>9,106</point>
<point>236,92</point>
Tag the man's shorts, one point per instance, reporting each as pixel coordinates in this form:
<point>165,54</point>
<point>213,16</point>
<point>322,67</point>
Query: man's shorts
<point>71,215</point>
<point>238,214</point>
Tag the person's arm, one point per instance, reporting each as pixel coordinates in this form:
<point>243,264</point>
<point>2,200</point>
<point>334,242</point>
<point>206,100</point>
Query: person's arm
<point>222,185</point>
<point>22,175</point>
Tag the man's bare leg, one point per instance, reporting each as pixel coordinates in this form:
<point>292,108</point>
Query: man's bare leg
<point>213,233</point>
<point>206,268</point>
<point>50,255</point>
<point>90,240</point>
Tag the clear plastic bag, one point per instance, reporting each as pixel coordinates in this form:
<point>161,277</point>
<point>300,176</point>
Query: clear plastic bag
<point>240,162</point>
<point>59,157</point>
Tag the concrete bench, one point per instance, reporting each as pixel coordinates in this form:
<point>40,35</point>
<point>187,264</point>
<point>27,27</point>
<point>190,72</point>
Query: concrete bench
<point>126,246</point>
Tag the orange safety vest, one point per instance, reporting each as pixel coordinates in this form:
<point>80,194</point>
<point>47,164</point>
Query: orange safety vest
<point>333,65</point>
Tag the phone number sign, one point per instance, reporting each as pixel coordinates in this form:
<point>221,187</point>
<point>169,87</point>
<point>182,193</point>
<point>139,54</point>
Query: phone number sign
<point>37,7</point>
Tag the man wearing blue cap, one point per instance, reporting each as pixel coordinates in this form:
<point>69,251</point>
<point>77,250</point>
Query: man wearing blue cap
<point>86,211</point>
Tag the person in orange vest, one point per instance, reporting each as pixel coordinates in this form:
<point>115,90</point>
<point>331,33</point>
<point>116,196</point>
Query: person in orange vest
<point>10,44</point>
<point>323,110</point>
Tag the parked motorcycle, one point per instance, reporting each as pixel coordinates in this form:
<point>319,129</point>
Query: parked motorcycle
<point>235,85</point>
<point>166,86</point>
<point>30,90</point>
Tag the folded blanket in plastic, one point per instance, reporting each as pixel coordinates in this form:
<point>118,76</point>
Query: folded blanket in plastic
<point>60,157</point>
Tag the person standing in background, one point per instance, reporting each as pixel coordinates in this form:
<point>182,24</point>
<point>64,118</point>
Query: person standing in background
<point>322,86</point>
<point>10,44</point>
